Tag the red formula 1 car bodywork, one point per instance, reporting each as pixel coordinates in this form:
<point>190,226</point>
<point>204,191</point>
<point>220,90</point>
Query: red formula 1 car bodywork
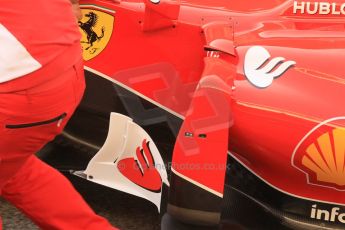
<point>244,101</point>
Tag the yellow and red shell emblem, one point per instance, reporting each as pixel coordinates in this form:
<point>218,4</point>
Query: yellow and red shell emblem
<point>321,154</point>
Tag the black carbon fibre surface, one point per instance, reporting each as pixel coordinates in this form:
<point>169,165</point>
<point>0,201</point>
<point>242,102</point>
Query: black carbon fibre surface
<point>184,194</point>
<point>253,204</point>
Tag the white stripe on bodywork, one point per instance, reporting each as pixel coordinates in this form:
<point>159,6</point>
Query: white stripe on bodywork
<point>15,60</point>
<point>197,183</point>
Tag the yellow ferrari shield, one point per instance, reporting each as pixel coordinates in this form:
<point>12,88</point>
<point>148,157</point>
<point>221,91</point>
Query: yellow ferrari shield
<point>96,28</point>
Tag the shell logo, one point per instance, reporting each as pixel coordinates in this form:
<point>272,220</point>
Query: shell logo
<point>321,154</point>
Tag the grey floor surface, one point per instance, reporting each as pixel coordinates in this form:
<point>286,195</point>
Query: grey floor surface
<point>122,210</point>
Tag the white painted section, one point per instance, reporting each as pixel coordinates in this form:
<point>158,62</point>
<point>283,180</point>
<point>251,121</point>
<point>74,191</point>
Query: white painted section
<point>155,1</point>
<point>123,138</point>
<point>15,60</point>
<point>259,75</point>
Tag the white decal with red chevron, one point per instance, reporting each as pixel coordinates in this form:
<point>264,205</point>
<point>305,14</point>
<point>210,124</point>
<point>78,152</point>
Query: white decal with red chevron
<point>129,161</point>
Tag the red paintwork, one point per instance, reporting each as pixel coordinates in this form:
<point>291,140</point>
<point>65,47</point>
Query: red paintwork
<point>142,171</point>
<point>267,123</point>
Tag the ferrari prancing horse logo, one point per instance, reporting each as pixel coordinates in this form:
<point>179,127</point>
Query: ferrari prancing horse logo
<point>96,28</point>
